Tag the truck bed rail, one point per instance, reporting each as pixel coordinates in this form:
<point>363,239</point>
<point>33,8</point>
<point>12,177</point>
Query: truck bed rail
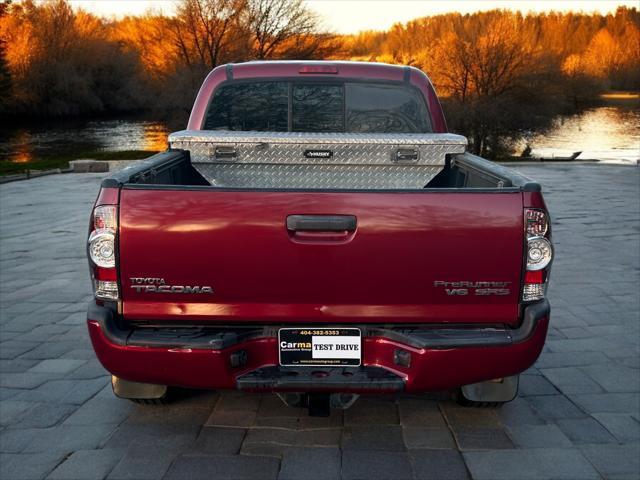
<point>479,172</point>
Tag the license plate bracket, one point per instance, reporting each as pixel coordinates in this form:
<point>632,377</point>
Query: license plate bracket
<point>320,347</point>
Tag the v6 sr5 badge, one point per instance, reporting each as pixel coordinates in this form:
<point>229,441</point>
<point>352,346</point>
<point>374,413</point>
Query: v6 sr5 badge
<point>469,288</point>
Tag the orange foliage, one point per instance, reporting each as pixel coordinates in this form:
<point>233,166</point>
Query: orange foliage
<point>55,54</point>
<point>486,52</point>
<point>147,37</point>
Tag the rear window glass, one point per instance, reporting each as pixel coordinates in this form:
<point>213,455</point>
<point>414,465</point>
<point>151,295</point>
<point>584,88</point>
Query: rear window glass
<point>318,108</point>
<point>260,107</point>
<point>385,108</point>
<point>280,106</point>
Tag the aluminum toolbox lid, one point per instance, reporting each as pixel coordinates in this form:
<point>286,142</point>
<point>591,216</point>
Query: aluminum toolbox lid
<point>226,136</point>
<point>317,160</point>
<point>321,148</point>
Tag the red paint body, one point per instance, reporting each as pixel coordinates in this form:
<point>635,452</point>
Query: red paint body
<point>383,273</point>
<point>431,370</point>
<point>237,243</point>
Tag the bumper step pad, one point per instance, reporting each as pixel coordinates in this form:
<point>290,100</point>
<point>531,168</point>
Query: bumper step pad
<point>318,378</point>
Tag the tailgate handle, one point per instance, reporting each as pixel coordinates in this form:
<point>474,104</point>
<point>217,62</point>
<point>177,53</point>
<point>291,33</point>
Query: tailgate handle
<point>407,155</point>
<point>321,223</point>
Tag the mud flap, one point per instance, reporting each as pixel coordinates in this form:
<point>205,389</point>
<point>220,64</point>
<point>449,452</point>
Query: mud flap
<point>137,391</point>
<point>492,391</point>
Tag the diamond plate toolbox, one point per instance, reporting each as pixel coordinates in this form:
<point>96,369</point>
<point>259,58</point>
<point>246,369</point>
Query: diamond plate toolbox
<point>317,160</point>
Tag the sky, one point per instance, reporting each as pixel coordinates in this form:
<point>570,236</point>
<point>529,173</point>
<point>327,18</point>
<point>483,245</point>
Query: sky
<point>350,16</point>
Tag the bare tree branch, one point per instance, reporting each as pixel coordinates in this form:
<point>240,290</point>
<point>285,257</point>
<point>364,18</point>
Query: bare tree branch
<point>273,23</point>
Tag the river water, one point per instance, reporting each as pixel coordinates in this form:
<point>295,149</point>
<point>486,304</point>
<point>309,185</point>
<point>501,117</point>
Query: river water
<point>608,133</point>
<point>76,138</point>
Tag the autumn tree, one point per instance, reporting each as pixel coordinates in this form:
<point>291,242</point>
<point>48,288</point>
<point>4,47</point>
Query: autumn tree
<point>499,73</point>
<point>278,26</point>
<point>146,37</point>
<point>488,69</point>
<point>205,32</point>
<point>364,45</point>
<point>579,85</point>
<point>63,63</point>
<point>5,73</point>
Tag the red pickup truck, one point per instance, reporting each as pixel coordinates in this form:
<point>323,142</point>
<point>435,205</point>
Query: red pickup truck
<point>316,232</point>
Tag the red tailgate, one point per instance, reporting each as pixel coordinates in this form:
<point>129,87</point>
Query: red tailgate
<point>237,243</point>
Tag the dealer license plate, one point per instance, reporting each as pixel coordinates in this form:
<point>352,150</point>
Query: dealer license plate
<point>320,347</point>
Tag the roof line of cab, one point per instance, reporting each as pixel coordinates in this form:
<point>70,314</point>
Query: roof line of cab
<point>321,69</point>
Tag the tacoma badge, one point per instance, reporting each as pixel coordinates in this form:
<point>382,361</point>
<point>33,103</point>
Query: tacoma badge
<point>158,285</point>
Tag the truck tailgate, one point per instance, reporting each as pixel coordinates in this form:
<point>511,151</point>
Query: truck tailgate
<point>414,257</point>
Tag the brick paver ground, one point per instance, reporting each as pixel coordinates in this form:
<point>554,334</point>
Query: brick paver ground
<point>577,415</point>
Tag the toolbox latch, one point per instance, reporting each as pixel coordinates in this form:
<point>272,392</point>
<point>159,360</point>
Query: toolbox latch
<point>224,153</point>
<point>407,155</point>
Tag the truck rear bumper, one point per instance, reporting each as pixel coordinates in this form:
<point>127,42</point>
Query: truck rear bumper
<point>410,359</point>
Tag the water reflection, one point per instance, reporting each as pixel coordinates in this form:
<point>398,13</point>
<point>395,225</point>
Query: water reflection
<point>23,153</point>
<point>610,134</point>
<point>76,138</point>
<point>155,136</point>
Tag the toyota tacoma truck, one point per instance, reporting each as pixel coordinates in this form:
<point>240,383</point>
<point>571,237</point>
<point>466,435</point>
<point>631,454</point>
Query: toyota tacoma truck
<point>316,232</point>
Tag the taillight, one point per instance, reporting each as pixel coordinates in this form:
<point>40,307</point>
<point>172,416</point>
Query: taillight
<point>536,222</point>
<point>102,252</point>
<point>539,254</point>
<point>102,248</point>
